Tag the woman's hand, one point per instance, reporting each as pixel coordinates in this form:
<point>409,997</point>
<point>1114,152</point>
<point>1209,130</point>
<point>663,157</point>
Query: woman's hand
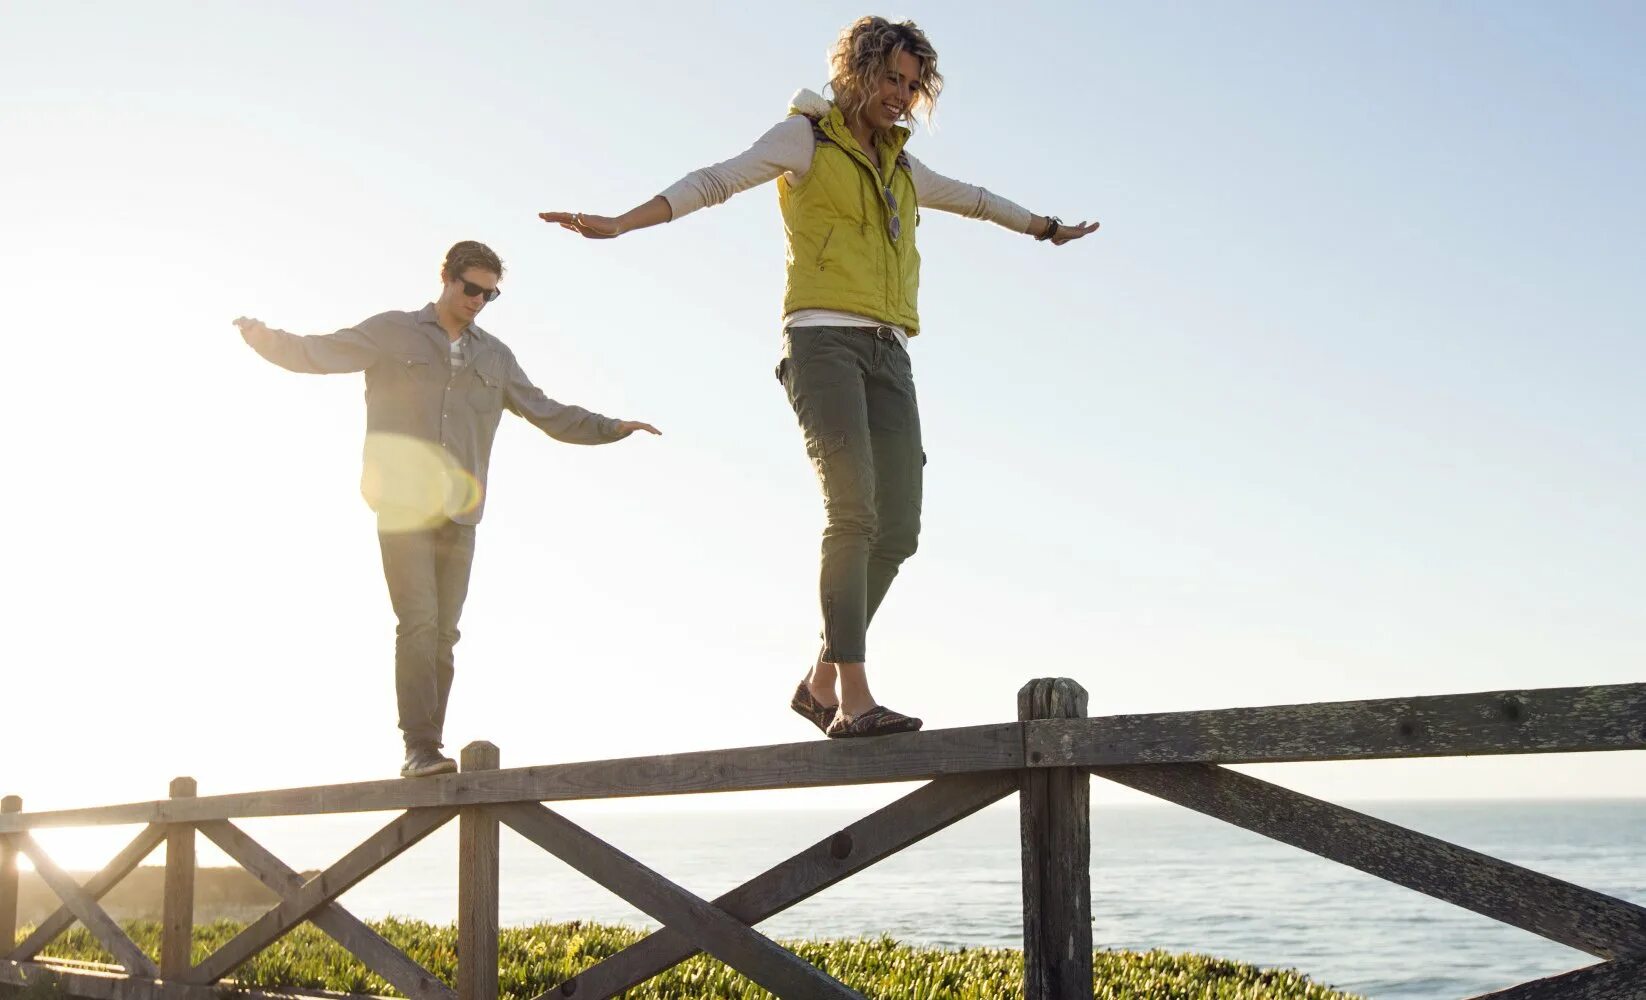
<point>1065,232</point>
<point>594,227</point>
<point>627,427</point>
<point>1068,234</point>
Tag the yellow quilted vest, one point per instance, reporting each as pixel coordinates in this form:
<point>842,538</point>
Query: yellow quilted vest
<point>837,219</point>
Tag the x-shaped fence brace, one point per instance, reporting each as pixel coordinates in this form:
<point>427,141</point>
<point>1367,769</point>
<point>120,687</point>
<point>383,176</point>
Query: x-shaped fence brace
<point>1580,918</point>
<point>1611,929</point>
<point>723,928</point>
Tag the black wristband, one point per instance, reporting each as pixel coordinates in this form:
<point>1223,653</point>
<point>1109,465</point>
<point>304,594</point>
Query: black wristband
<point>1052,223</point>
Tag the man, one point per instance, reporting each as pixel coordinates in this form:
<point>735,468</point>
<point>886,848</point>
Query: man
<point>436,386</point>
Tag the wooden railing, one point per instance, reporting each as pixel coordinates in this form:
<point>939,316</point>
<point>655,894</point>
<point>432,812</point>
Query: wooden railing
<point>1046,757</point>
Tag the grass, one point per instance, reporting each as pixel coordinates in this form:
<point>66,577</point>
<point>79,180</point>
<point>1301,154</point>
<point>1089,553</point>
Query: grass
<point>533,959</point>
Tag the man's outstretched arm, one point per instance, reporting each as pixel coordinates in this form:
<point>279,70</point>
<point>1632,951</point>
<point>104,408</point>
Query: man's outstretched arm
<point>348,350</point>
<point>571,424</point>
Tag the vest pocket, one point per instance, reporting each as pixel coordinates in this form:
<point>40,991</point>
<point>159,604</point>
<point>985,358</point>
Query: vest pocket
<point>823,249</point>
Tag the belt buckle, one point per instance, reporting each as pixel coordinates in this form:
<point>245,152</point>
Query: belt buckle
<point>884,333</point>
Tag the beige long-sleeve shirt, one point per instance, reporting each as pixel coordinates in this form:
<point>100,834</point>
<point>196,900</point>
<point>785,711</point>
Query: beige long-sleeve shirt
<point>787,148</point>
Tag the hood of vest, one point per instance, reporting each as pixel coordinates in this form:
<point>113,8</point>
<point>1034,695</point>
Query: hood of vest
<point>809,103</point>
<point>819,109</point>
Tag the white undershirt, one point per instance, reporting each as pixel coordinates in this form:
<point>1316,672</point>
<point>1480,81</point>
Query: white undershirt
<point>834,317</point>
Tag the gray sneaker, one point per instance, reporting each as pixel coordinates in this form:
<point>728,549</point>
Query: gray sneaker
<point>424,761</point>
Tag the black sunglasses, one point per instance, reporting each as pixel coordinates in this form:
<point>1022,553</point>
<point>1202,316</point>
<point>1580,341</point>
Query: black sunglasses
<point>471,289</point>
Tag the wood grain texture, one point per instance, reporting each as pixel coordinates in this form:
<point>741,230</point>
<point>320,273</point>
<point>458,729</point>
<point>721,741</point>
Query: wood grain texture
<point>95,888</point>
<point>905,757</point>
<point>1560,911</point>
<point>1548,720</point>
<point>705,925</point>
<point>1054,809</point>
<point>8,880</point>
<point>177,907</point>
<point>477,890</point>
<point>881,834</point>
<point>86,910</point>
<point>370,947</point>
<point>1606,981</point>
<point>377,850</point>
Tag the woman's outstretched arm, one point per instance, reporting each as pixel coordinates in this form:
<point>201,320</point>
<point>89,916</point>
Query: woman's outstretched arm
<point>785,148</point>
<point>601,227</point>
<point>949,195</point>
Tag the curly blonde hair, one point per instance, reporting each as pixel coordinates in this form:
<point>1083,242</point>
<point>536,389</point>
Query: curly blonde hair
<point>863,52</point>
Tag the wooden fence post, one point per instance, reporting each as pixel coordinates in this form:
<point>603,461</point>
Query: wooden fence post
<point>477,887</point>
<point>8,881</point>
<point>177,914</point>
<point>1055,819</point>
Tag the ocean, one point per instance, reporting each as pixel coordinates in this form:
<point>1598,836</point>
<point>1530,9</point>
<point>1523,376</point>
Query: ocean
<point>1162,877</point>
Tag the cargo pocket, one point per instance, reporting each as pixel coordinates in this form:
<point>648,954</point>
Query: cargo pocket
<point>822,450</point>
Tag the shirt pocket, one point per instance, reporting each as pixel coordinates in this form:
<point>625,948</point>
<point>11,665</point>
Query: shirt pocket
<point>486,391</point>
<point>412,367</point>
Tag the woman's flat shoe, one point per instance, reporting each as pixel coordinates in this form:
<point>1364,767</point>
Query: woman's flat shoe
<point>877,721</point>
<point>814,711</point>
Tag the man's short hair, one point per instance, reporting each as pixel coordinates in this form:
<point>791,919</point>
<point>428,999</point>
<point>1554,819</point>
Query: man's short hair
<point>467,254</point>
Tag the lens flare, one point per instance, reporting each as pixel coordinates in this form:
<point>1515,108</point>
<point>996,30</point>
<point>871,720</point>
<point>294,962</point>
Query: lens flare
<point>414,484</point>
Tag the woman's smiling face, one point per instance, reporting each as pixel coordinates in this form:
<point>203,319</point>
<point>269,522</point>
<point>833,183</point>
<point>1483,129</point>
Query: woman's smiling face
<point>895,94</point>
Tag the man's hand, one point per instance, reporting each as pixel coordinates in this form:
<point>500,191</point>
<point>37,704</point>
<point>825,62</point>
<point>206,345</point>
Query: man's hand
<point>248,326</point>
<point>627,427</point>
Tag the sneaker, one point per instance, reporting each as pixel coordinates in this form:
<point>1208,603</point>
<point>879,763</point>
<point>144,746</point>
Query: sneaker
<point>424,761</point>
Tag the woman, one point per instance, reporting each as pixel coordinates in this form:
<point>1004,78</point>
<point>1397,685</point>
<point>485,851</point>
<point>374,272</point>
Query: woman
<point>850,197</point>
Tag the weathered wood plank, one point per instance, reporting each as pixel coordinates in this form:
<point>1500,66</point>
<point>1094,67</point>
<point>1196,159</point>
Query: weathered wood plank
<point>370,947</point>
<point>376,851</point>
<point>106,982</point>
<point>8,880</point>
<point>177,909</point>
<point>1054,807</point>
<point>86,910</point>
<point>1606,981</point>
<point>477,887</point>
<point>710,928</point>
<point>909,820</point>
<point>95,888</point>
<point>1548,720</point>
<point>1560,911</point>
<point>907,757</point>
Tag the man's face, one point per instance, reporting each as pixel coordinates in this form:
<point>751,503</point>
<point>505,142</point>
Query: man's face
<point>465,295</point>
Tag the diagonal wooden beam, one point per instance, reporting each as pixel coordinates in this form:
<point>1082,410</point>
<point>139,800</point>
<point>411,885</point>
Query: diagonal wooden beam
<point>86,910</point>
<point>709,927</point>
<point>909,820</point>
<point>96,888</point>
<point>375,852</point>
<point>1606,981</point>
<point>383,958</point>
<point>1560,911</point>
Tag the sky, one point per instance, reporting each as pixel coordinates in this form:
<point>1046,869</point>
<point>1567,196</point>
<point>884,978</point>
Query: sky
<point>1343,401</point>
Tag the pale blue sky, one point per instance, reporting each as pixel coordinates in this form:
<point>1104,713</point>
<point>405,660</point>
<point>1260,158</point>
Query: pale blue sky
<point>1343,401</point>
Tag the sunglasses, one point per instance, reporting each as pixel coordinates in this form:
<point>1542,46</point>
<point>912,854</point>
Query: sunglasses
<point>471,290</point>
<point>894,225</point>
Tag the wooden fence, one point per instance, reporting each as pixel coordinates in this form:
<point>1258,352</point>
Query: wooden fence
<point>1046,757</point>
